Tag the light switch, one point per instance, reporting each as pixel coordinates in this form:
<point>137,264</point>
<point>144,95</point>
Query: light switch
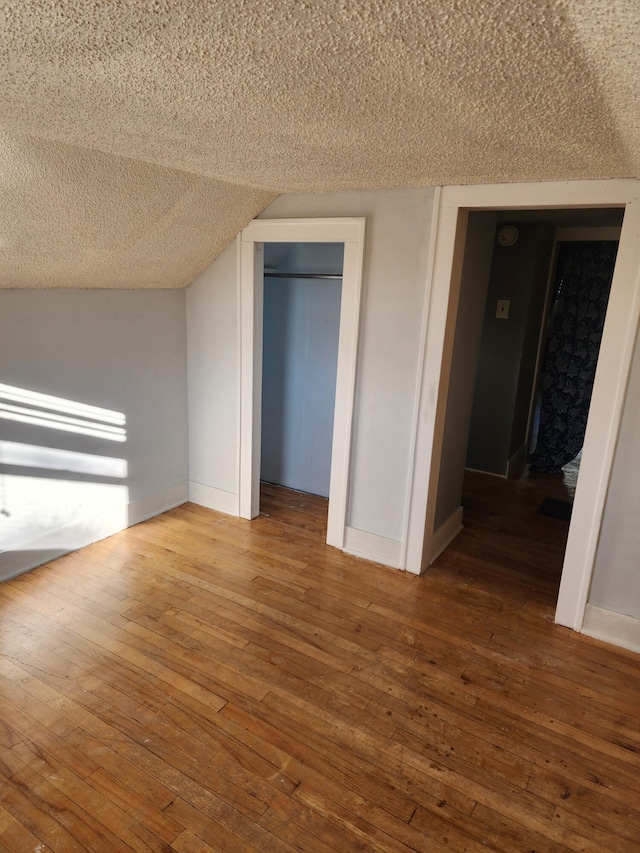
<point>502,311</point>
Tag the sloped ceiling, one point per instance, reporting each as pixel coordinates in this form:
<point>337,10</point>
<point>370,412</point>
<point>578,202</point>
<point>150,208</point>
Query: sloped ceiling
<point>139,137</point>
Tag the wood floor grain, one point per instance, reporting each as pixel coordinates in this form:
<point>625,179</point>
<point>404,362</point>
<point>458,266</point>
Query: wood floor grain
<point>203,683</point>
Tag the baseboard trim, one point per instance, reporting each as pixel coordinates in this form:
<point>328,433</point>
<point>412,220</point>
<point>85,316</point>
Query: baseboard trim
<point>612,627</point>
<point>213,498</point>
<point>446,533</point>
<point>371,546</point>
<point>56,543</point>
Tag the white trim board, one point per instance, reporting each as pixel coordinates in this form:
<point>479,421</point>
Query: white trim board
<point>212,498</point>
<point>372,547</point>
<point>446,533</point>
<point>351,232</point>
<point>413,513</point>
<point>610,383</point>
<point>56,543</point>
<point>612,627</point>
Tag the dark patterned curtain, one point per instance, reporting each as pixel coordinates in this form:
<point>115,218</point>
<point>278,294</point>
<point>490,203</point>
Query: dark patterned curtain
<point>583,280</point>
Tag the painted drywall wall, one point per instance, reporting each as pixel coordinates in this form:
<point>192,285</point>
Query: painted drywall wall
<point>508,349</point>
<point>395,274</point>
<point>616,579</point>
<point>93,416</point>
<point>300,357</point>
<point>474,283</point>
<point>213,383</point>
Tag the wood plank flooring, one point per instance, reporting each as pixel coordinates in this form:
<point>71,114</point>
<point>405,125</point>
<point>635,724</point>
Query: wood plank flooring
<point>202,683</point>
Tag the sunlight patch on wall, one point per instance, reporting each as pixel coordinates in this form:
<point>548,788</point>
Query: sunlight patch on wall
<point>53,498</point>
<point>45,410</point>
<point>52,458</point>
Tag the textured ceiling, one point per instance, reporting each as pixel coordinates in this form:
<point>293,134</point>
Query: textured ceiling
<point>139,137</point>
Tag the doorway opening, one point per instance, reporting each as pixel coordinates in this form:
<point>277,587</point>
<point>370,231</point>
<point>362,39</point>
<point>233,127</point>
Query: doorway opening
<point>500,378</point>
<point>302,384</point>
<point>301,324</point>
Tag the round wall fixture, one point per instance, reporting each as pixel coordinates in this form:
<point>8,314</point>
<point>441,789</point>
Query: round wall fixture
<point>508,235</point>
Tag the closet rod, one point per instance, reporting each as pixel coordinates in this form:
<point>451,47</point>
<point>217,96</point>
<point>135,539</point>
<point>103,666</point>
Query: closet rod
<point>301,275</point>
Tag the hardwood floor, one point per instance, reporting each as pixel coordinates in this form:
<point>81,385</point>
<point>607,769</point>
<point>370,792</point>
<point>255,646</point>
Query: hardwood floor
<point>504,529</point>
<point>202,683</point>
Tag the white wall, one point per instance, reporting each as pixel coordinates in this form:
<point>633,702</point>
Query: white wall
<point>213,359</point>
<point>398,225</point>
<point>122,351</point>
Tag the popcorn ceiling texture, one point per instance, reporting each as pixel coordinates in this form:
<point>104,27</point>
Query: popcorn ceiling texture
<point>142,136</point>
<point>72,217</point>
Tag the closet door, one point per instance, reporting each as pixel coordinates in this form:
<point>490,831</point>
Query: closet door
<point>300,356</point>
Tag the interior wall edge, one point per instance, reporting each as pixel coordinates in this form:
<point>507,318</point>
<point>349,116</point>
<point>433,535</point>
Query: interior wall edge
<point>516,462</point>
<point>444,535</point>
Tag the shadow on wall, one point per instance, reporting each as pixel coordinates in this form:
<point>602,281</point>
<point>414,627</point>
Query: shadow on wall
<point>50,496</point>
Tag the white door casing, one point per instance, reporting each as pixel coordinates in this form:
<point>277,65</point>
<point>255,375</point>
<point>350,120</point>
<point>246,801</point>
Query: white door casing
<point>623,314</point>
<point>351,232</point>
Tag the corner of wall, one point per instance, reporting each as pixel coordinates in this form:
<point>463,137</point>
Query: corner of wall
<point>516,463</point>
<point>445,534</point>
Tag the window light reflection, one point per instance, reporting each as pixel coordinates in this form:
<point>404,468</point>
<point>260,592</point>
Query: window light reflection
<point>47,411</point>
<point>59,404</point>
<point>54,459</point>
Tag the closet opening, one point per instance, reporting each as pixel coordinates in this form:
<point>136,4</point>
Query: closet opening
<point>299,331</point>
<point>301,325</point>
